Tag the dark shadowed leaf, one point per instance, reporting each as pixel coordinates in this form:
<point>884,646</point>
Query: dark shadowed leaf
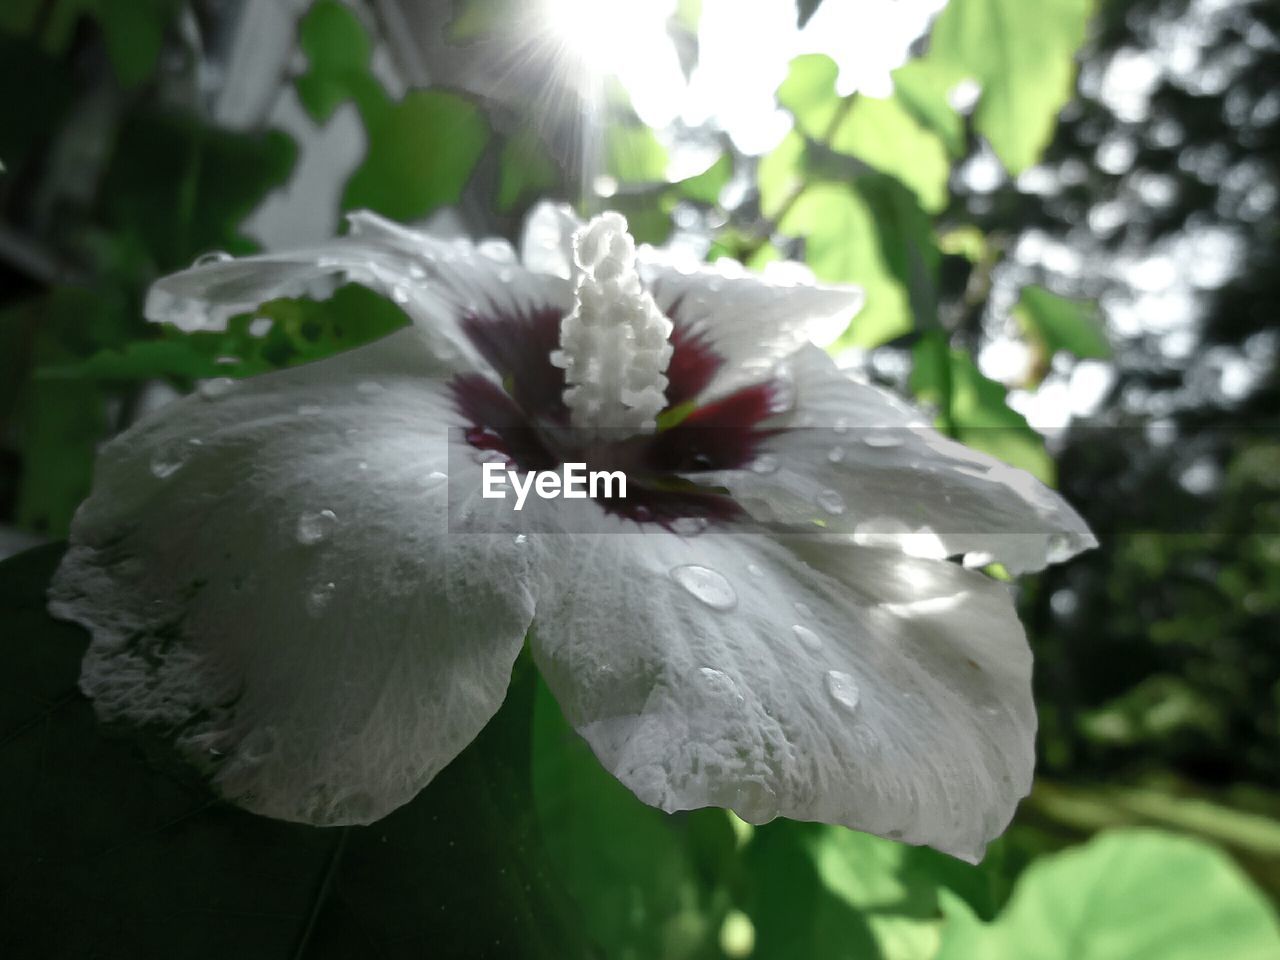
<point>108,851</point>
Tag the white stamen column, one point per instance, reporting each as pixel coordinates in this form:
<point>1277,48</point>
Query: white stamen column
<point>614,344</point>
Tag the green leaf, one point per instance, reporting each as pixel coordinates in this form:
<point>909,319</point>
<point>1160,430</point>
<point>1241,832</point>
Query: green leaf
<point>882,134</point>
<point>1057,323</point>
<point>705,187</point>
<point>630,867</point>
<point>526,170</point>
<point>809,92</point>
<point>1023,55</point>
<point>338,56</point>
<point>109,851</point>
<point>780,173</point>
<point>421,154</point>
<point>178,188</point>
<point>974,408</point>
<point>921,87</point>
<point>633,154</point>
<point>875,235</point>
<point>132,31</point>
<point>1126,895</point>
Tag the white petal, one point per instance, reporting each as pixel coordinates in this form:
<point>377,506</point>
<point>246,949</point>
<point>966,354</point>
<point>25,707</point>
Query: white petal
<point>813,680</point>
<point>864,463</point>
<point>434,281</point>
<point>750,321</point>
<point>270,579</point>
<point>547,243</point>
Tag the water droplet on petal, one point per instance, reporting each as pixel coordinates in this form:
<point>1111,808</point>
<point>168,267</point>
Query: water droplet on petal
<point>782,391</point>
<point>706,585</point>
<point>522,538</point>
<point>765,463</point>
<point>172,456</point>
<point>416,272</point>
<point>843,689</point>
<point>369,387</point>
<point>803,609</point>
<point>835,454</point>
<point>688,526</point>
<point>319,596</point>
<point>210,258</point>
<point>310,410</point>
<point>978,559</point>
<point>315,527</point>
<point>831,502</point>
<point>882,439</point>
<point>434,479</point>
<point>215,388</point>
<point>399,295</point>
<point>719,683</point>
<point>806,636</point>
<point>754,570</point>
<point>841,426</point>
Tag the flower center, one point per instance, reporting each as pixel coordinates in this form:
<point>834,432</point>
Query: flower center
<point>615,344</point>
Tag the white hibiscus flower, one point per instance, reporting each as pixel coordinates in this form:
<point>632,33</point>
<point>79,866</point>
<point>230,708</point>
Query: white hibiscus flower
<point>278,573</point>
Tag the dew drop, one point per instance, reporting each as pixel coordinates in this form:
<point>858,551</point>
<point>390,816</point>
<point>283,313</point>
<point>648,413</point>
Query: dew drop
<point>706,585</point>
<point>806,636</point>
<point>310,410</point>
<point>720,684</point>
<point>843,689</point>
<point>210,258</point>
<point>416,272</point>
<point>215,388</point>
<point>171,457</point>
<point>831,502</point>
<point>522,538</point>
<point>319,597</point>
<point>688,526</point>
<point>369,387</point>
<point>835,454</point>
<point>434,479</point>
<point>315,527</point>
<point>882,439</point>
<point>782,393</point>
<point>755,570</point>
<point>803,609</point>
<point>399,295</point>
<point>977,559</point>
<point>765,463</point>
<point>841,426</point>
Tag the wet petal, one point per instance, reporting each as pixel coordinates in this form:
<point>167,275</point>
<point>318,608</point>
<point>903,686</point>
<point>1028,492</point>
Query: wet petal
<point>864,463</point>
<point>269,578</point>
<point>751,321</point>
<point>435,281</point>
<point>814,680</point>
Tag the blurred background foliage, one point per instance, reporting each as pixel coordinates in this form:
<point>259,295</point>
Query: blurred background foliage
<point>1066,219</point>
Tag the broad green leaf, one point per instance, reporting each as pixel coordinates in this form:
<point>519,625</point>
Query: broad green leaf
<point>882,134</point>
<point>921,87</point>
<point>132,30</point>
<point>631,868</point>
<point>780,173</point>
<point>843,245</point>
<point>632,154</point>
<point>526,170</point>
<point>1057,323</point>
<point>1023,55</point>
<point>809,92</point>
<point>974,408</point>
<point>112,851</point>
<point>1126,895</point>
<point>705,187</point>
<point>178,188</point>
<point>338,56</point>
<point>421,154</point>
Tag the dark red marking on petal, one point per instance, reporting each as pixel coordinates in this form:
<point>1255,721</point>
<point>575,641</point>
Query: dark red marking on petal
<point>524,417</point>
